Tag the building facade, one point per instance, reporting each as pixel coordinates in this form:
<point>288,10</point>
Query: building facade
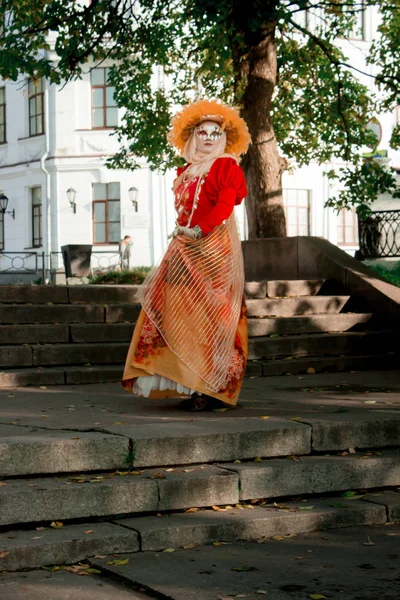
<point>56,139</point>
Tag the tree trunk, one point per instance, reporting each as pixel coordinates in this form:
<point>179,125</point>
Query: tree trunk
<point>263,166</point>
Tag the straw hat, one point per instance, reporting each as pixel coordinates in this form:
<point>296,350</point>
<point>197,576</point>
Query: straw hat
<point>191,115</point>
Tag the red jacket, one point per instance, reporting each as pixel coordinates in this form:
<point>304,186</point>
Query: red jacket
<point>224,187</point>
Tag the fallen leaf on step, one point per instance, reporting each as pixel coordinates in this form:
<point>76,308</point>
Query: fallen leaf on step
<point>191,510</point>
<point>2,483</point>
<point>370,402</point>
<point>43,387</point>
<point>94,571</point>
<point>189,546</point>
<point>305,507</point>
<point>237,462</point>
<point>310,371</point>
<point>394,534</point>
<point>317,597</point>
<point>41,528</point>
<point>257,459</point>
<point>352,451</point>
<point>4,554</point>
<point>295,418</point>
<point>264,417</point>
<point>37,537</point>
<point>188,470</point>
<point>219,410</point>
<point>369,543</point>
<point>122,561</point>
<point>32,484</point>
<point>56,524</point>
<point>169,550</point>
<point>10,395</point>
<point>88,531</point>
<point>218,508</point>
<point>158,476</point>
<point>99,556</point>
<point>262,592</point>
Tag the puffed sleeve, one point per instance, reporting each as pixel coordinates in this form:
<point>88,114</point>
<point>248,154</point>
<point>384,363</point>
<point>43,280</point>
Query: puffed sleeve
<point>228,183</point>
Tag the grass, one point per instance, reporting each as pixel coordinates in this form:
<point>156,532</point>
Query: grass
<point>133,276</point>
<point>391,274</point>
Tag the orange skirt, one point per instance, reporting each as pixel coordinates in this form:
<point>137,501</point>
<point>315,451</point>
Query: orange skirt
<point>149,355</point>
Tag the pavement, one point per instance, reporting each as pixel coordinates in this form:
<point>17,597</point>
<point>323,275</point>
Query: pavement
<point>352,395</point>
<point>355,563</point>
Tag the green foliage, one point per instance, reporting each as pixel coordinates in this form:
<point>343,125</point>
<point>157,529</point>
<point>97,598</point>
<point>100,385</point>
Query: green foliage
<point>167,52</point>
<point>361,184</point>
<point>391,274</point>
<point>133,276</point>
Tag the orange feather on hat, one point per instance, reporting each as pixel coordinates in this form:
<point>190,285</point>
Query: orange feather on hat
<point>191,115</point>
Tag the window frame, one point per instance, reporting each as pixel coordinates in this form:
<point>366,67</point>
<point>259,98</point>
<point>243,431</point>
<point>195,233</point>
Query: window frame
<point>297,206</point>
<point>37,242</point>
<point>3,113</point>
<point>342,223</point>
<point>104,106</point>
<point>35,115</point>
<point>105,201</point>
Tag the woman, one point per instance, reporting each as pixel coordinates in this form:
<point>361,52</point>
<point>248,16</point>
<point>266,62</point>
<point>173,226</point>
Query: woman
<point>191,336</point>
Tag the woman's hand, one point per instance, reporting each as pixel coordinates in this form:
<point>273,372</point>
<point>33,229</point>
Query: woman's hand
<point>192,233</point>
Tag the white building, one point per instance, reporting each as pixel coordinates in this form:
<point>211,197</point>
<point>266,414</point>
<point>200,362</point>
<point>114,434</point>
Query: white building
<point>57,138</point>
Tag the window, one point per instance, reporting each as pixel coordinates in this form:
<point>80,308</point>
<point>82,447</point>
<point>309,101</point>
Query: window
<point>347,228</point>
<point>104,107</point>
<point>106,213</point>
<point>36,107</point>
<point>296,204</point>
<point>1,230</point>
<point>36,197</point>
<point>3,115</point>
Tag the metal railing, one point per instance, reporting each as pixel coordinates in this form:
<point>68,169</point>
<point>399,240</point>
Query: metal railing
<point>38,263</point>
<point>379,234</point>
<point>25,263</point>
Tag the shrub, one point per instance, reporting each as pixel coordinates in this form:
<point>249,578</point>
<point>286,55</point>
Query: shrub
<point>133,276</point>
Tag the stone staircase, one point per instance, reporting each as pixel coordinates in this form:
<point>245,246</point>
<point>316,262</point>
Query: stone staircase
<point>51,335</point>
<point>66,496</point>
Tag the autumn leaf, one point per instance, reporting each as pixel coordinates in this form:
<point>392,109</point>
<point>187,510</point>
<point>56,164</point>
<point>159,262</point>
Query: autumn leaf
<point>258,459</point>
<point>265,417</point>
<point>310,371</point>
<point>57,524</point>
<point>189,546</point>
<point>122,561</point>
<point>94,571</point>
<point>169,550</point>
<point>317,597</point>
<point>4,554</point>
<point>88,531</point>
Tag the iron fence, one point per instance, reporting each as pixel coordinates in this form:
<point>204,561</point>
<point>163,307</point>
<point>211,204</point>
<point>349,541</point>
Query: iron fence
<point>37,263</point>
<point>379,235</point>
<point>23,263</point>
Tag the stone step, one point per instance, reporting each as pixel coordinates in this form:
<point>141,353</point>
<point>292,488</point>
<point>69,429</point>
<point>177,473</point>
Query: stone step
<point>306,324</point>
<point>322,364</point>
<point>282,477</point>
<point>32,451</point>
<point>63,354</point>
<point>29,549</point>
<point>283,288</point>
<point>63,294</point>
<point>318,344</point>
<point>46,333</point>
<point>98,294</point>
<point>60,498</point>
<point>250,522</point>
<point>287,307</point>
<point>25,451</point>
<point>68,313</point>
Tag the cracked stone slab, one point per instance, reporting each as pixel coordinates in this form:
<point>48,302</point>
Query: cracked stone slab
<point>199,441</point>
<point>389,499</point>
<point>41,585</point>
<point>31,549</point>
<point>28,451</point>
<point>59,498</point>
<point>197,485</point>
<point>251,524</point>
<point>273,477</point>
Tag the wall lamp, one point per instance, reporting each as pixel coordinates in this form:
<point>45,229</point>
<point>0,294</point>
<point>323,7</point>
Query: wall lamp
<point>133,194</point>
<point>4,204</point>
<point>71,193</point>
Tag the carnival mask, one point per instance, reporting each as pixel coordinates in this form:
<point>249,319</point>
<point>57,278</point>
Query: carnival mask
<point>208,131</point>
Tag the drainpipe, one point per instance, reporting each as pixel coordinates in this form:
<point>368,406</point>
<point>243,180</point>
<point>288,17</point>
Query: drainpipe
<point>47,211</point>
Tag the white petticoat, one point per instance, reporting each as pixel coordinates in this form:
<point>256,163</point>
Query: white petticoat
<point>144,385</point>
